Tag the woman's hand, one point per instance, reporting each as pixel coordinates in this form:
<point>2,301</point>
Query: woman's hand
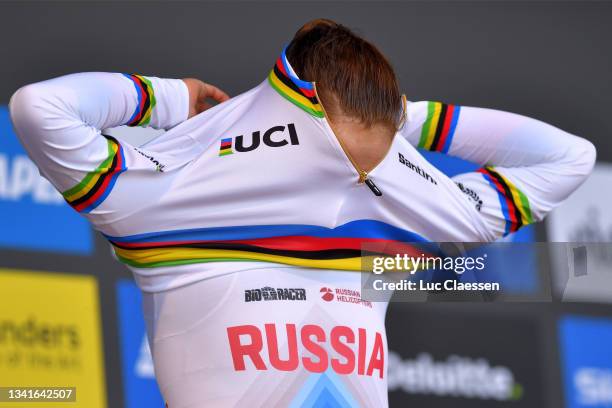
<point>199,95</point>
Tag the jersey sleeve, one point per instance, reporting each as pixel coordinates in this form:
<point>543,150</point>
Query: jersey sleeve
<point>527,168</point>
<point>60,123</point>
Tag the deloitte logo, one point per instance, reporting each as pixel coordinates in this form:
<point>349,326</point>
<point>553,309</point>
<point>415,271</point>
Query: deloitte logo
<point>454,377</point>
<point>587,361</point>
<point>594,386</point>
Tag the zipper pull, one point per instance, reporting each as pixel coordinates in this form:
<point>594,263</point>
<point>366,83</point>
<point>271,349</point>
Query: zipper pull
<point>372,187</point>
<point>363,178</point>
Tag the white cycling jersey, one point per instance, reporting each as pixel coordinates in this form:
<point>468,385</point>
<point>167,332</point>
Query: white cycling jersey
<point>262,177</point>
<point>261,182</point>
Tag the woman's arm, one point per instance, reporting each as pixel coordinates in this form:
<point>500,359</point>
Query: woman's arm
<point>60,123</point>
<point>528,166</point>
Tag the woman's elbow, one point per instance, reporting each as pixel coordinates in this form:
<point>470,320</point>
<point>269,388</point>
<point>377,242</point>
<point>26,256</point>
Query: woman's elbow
<point>584,155</point>
<point>25,109</point>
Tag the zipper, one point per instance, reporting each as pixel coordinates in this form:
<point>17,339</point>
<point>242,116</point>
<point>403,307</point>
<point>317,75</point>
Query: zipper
<point>363,175</point>
<point>375,190</point>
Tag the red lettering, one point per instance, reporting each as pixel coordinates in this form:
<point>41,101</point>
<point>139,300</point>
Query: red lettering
<point>247,342</point>
<point>240,351</point>
<point>342,349</point>
<point>318,351</point>
<point>292,362</point>
<point>361,347</point>
<point>377,359</point>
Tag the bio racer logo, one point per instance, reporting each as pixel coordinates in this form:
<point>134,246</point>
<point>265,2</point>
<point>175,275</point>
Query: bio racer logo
<point>268,293</point>
<point>276,136</point>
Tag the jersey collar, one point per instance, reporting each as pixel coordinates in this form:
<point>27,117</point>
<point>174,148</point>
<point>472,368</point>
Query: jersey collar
<point>301,93</point>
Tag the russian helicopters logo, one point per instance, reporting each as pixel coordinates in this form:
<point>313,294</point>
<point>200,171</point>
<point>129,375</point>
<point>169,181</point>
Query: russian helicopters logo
<point>276,136</point>
<point>456,376</point>
<point>343,296</point>
<point>327,294</point>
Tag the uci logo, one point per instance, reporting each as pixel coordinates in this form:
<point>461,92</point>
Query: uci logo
<point>273,137</point>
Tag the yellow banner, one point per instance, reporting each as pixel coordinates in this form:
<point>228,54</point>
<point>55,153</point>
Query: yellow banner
<point>50,336</point>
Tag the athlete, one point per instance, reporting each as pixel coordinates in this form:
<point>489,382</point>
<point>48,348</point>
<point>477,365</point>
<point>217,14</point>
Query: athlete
<point>243,222</point>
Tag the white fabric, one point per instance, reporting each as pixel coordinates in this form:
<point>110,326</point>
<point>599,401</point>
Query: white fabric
<point>180,182</point>
<point>196,331</point>
<point>312,183</point>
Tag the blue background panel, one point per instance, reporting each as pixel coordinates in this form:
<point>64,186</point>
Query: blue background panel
<point>34,215</point>
<point>139,385</point>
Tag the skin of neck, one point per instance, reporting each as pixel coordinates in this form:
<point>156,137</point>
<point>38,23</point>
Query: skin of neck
<point>367,145</point>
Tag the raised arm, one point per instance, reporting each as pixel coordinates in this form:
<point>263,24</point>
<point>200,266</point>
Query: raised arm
<point>528,166</point>
<point>59,122</point>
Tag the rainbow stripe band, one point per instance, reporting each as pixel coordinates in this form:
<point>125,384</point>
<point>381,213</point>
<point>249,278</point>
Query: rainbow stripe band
<point>97,184</point>
<point>226,147</point>
<point>296,91</point>
<point>146,100</point>
<point>439,127</point>
<point>298,245</point>
<point>514,204</point>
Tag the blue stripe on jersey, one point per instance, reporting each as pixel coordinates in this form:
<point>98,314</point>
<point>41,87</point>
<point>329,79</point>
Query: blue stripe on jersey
<point>354,229</point>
